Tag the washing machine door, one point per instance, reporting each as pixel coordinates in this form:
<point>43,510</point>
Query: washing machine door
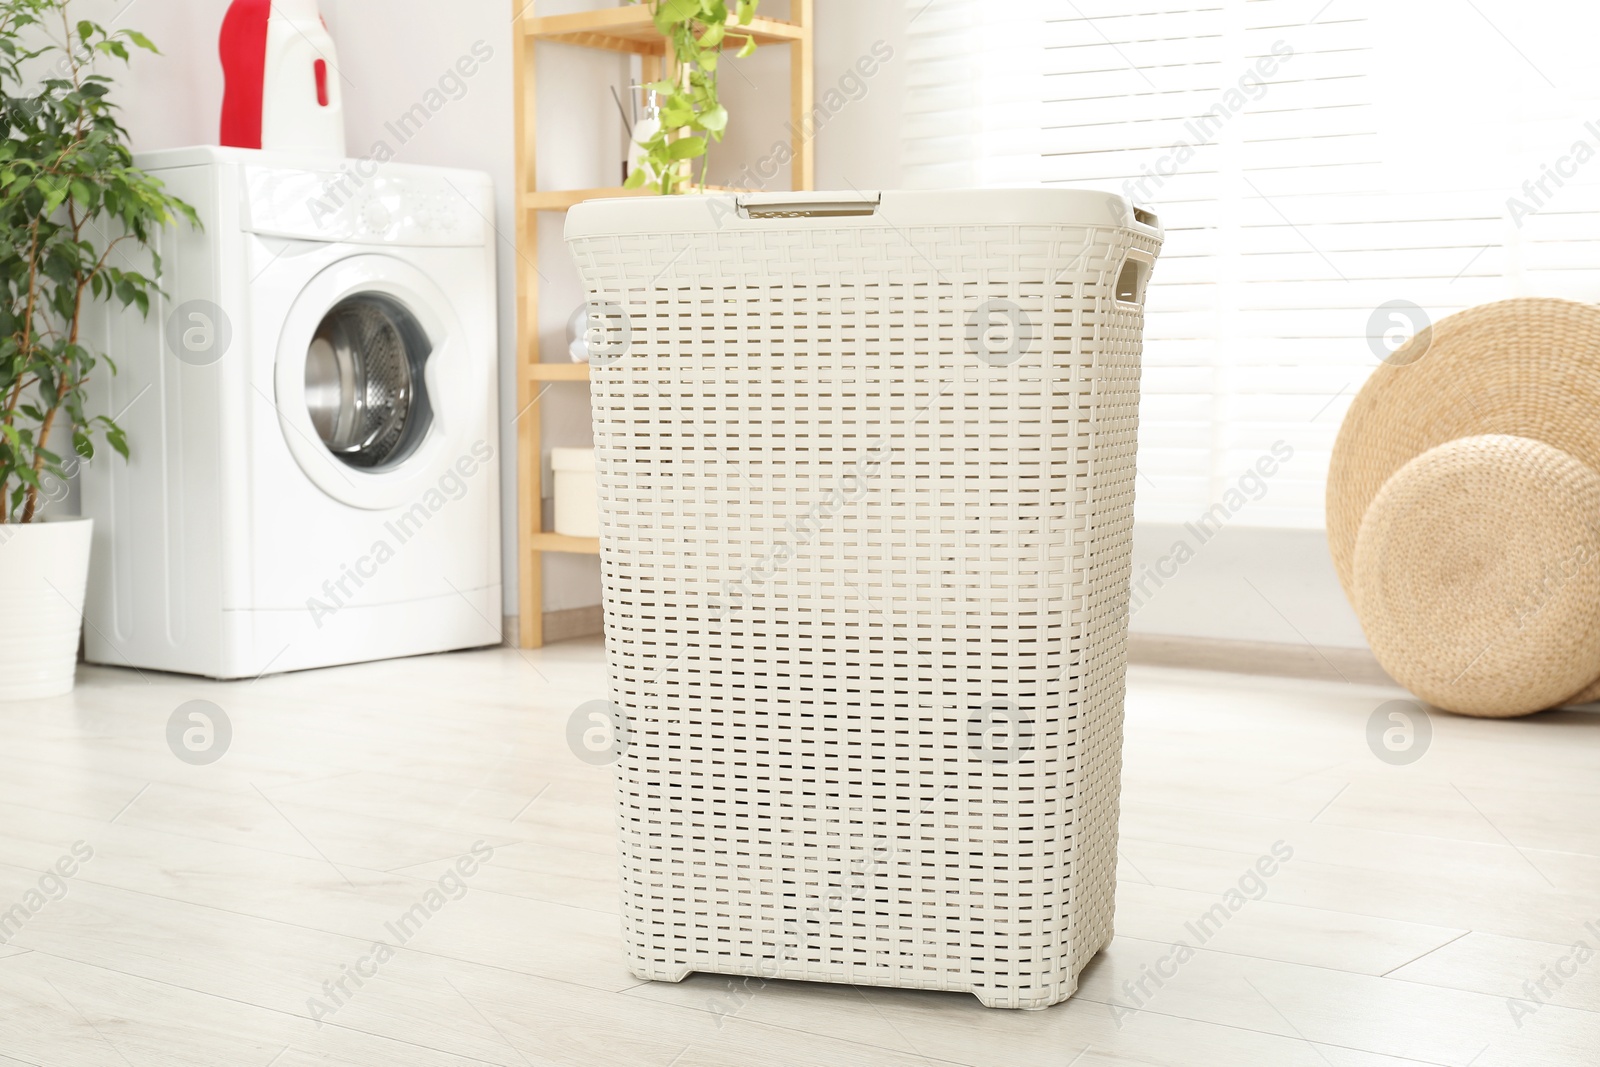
<point>374,382</point>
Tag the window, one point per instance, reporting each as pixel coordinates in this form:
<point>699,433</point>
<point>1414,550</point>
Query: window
<point>1313,161</point>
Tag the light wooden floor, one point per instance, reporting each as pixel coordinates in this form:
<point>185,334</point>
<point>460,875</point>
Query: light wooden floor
<point>220,898</point>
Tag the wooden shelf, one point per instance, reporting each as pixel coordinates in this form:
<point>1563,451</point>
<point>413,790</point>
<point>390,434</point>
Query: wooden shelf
<point>630,29</point>
<point>554,542</point>
<point>558,372</point>
<point>562,199</point>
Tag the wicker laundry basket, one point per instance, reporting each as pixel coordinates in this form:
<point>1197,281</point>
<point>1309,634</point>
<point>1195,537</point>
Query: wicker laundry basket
<point>866,470</point>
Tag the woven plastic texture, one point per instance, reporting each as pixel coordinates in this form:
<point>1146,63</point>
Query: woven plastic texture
<point>866,500</point>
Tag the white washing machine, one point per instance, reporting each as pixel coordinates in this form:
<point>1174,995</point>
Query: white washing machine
<point>312,417</point>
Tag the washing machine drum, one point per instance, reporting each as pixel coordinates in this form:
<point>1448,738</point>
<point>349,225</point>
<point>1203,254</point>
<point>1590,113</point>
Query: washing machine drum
<point>365,388</point>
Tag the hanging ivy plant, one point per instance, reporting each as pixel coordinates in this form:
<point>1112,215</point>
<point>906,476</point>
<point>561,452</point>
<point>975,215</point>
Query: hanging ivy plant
<point>692,116</point>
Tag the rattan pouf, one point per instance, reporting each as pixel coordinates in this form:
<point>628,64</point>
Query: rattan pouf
<point>1476,576</point>
<point>1529,367</point>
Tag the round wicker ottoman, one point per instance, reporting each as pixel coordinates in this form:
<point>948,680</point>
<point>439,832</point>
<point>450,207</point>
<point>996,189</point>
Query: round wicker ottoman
<point>1475,572</point>
<point>1529,367</point>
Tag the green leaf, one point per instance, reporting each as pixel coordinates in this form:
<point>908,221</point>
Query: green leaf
<point>687,148</point>
<point>636,178</point>
<point>713,35</point>
<point>677,10</point>
<point>715,120</point>
<point>749,46</point>
<point>61,145</point>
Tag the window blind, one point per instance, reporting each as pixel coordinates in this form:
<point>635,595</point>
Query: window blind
<point>1320,166</point>
<point>975,93</point>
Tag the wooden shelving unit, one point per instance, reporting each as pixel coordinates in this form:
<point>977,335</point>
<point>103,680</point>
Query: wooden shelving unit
<point>554,542</point>
<point>629,30</point>
<point>558,372</point>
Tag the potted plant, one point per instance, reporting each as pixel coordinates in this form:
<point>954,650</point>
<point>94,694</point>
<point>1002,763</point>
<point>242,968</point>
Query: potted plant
<point>74,209</point>
<point>692,114</point>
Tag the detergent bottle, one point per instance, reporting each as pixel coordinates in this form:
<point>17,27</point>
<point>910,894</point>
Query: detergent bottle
<point>282,79</point>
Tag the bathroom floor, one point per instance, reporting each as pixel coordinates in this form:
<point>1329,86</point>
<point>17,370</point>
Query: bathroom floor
<point>262,909</point>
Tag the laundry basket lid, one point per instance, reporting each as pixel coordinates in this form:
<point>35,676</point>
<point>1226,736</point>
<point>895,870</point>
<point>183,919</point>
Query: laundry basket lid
<point>897,209</point>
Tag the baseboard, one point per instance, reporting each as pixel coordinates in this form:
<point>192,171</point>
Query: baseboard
<point>573,623</point>
<point>1354,665</point>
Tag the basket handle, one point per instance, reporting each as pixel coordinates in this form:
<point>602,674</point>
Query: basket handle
<point>760,207</point>
<point>1134,276</point>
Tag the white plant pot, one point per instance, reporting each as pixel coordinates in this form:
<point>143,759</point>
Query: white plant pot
<point>44,567</point>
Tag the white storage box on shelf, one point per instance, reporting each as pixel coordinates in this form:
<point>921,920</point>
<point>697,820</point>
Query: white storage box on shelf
<point>577,497</point>
<point>866,471</point>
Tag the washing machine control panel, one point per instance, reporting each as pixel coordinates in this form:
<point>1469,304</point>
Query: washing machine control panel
<point>364,202</point>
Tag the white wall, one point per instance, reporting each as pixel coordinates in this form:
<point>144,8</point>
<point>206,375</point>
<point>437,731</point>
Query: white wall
<point>859,145</point>
<point>1244,583</point>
